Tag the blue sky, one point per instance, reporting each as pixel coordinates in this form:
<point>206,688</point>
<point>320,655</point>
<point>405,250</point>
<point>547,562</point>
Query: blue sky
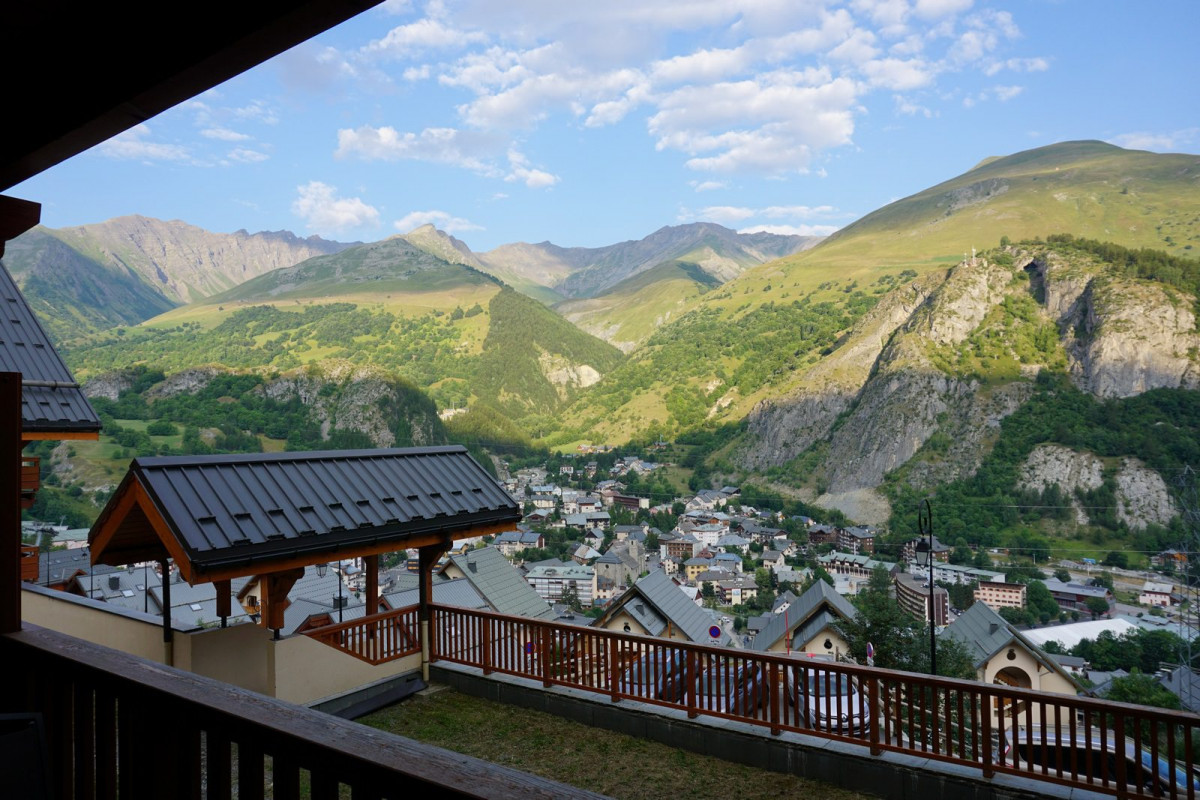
<point>588,124</point>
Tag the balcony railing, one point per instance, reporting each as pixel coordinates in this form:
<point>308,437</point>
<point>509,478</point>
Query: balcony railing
<point>120,726</point>
<point>1116,748</point>
<point>376,639</point>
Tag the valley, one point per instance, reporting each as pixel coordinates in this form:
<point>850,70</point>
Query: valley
<point>942,345</point>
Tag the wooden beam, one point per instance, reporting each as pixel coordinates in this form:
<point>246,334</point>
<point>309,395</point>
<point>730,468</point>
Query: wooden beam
<point>275,587</point>
<point>56,436</point>
<point>201,575</point>
<point>10,501</point>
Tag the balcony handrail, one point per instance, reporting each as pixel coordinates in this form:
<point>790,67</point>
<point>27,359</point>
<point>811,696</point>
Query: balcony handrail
<point>117,723</point>
<point>993,727</point>
<point>375,638</point>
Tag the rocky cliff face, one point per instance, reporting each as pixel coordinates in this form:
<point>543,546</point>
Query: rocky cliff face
<point>184,263</point>
<point>1071,471</point>
<point>913,378</point>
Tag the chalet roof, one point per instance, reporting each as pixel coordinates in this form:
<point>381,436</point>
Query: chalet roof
<point>221,516</point>
<point>51,400</point>
<point>668,602</point>
<point>819,601</point>
<point>500,584</point>
<point>985,633</point>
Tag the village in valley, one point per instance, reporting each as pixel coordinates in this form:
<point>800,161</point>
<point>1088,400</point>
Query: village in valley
<point>711,568</point>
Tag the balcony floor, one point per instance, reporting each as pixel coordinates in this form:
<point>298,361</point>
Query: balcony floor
<point>848,768</point>
<point>608,762</point>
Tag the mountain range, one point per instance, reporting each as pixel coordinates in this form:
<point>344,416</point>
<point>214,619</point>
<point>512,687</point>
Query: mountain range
<point>893,358</point>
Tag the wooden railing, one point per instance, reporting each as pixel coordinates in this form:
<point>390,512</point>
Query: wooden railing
<point>120,726</point>
<point>1116,748</point>
<point>379,638</point>
<point>30,479</point>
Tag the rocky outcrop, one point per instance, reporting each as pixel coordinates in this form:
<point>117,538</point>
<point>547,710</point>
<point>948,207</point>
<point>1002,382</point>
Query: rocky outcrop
<point>1133,337</point>
<point>189,381</point>
<point>109,385</point>
<point>786,426</point>
<point>1142,496</point>
<point>342,396</point>
<point>1055,465</point>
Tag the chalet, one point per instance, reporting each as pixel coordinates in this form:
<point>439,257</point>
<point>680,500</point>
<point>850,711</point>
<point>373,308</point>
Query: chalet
<point>856,540</point>
<point>809,624</point>
<point>773,560</point>
<point>593,520</point>
<point>736,591</point>
<point>914,550</point>
<point>859,566</point>
<point>1003,655</point>
<point>510,543</point>
<point>823,534</point>
<point>731,562</point>
<point>546,502</point>
<point>1156,594</point>
<point>656,606</point>
<point>734,542</point>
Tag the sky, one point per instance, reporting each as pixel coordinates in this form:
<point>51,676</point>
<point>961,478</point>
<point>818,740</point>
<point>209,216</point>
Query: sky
<point>587,124</point>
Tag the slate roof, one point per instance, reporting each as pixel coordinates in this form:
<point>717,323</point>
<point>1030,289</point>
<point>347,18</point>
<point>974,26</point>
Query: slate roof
<point>239,511</point>
<point>500,584</point>
<point>659,597</point>
<point>57,407</point>
<point>985,633</point>
<point>819,602</point>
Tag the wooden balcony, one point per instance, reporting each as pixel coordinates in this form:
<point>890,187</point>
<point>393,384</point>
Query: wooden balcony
<point>30,479</point>
<point>120,726</point>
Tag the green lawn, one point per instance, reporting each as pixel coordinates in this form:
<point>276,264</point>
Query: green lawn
<point>590,758</point>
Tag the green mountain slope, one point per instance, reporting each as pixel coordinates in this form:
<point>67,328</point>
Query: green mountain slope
<point>73,294</point>
<point>1087,188</point>
<point>448,328</point>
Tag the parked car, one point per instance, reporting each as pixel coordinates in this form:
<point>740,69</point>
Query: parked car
<point>1044,753</point>
<point>827,700</point>
<point>656,675</point>
<point>731,691</point>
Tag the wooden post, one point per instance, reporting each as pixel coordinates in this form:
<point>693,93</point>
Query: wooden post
<point>873,710</point>
<point>372,567</point>
<point>275,588</point>
<point>427,557</point>
<point>224,600</point>
<point>10,502</point>
<point>168,631</point>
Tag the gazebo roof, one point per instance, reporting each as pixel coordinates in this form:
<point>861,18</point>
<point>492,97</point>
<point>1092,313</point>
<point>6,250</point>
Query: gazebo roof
<point>232,515</point>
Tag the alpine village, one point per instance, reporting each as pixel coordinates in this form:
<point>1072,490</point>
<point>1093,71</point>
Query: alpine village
<point>909,507</point>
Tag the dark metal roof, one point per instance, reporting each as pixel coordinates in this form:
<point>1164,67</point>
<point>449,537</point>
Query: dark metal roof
<point>125,63</point>
<point>59,406</point>
<point>234,511</point>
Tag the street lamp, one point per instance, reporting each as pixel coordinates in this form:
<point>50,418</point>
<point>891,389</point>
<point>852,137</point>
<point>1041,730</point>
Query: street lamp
<point>925,526</point>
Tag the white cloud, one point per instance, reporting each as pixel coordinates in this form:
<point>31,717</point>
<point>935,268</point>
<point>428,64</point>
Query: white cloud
<point>730,215</point>
<point>224,134</point>
<point>421,36</point>
<point>1005,93</point>
<point>522,172</point>
<point>324,212</point>
<point>245,155</point>
<point>934,9</point>
<point>134,144</point>
<point>777,122</point>
<point>258,111</point>
<point>707,186</point>
<point>791,230</point>
<point>466,149</point>
<point>1018,65</point>
<point>726,214</point>
<point>858,48</point>
<point>439,219</point>
<point>1173,141</point>
<point>910,108</point>
<point>898,74</point>
<point>417,73</point>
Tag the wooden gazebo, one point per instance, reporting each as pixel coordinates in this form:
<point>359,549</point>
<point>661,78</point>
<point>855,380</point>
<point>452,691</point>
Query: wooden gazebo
<point>268,516</point>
